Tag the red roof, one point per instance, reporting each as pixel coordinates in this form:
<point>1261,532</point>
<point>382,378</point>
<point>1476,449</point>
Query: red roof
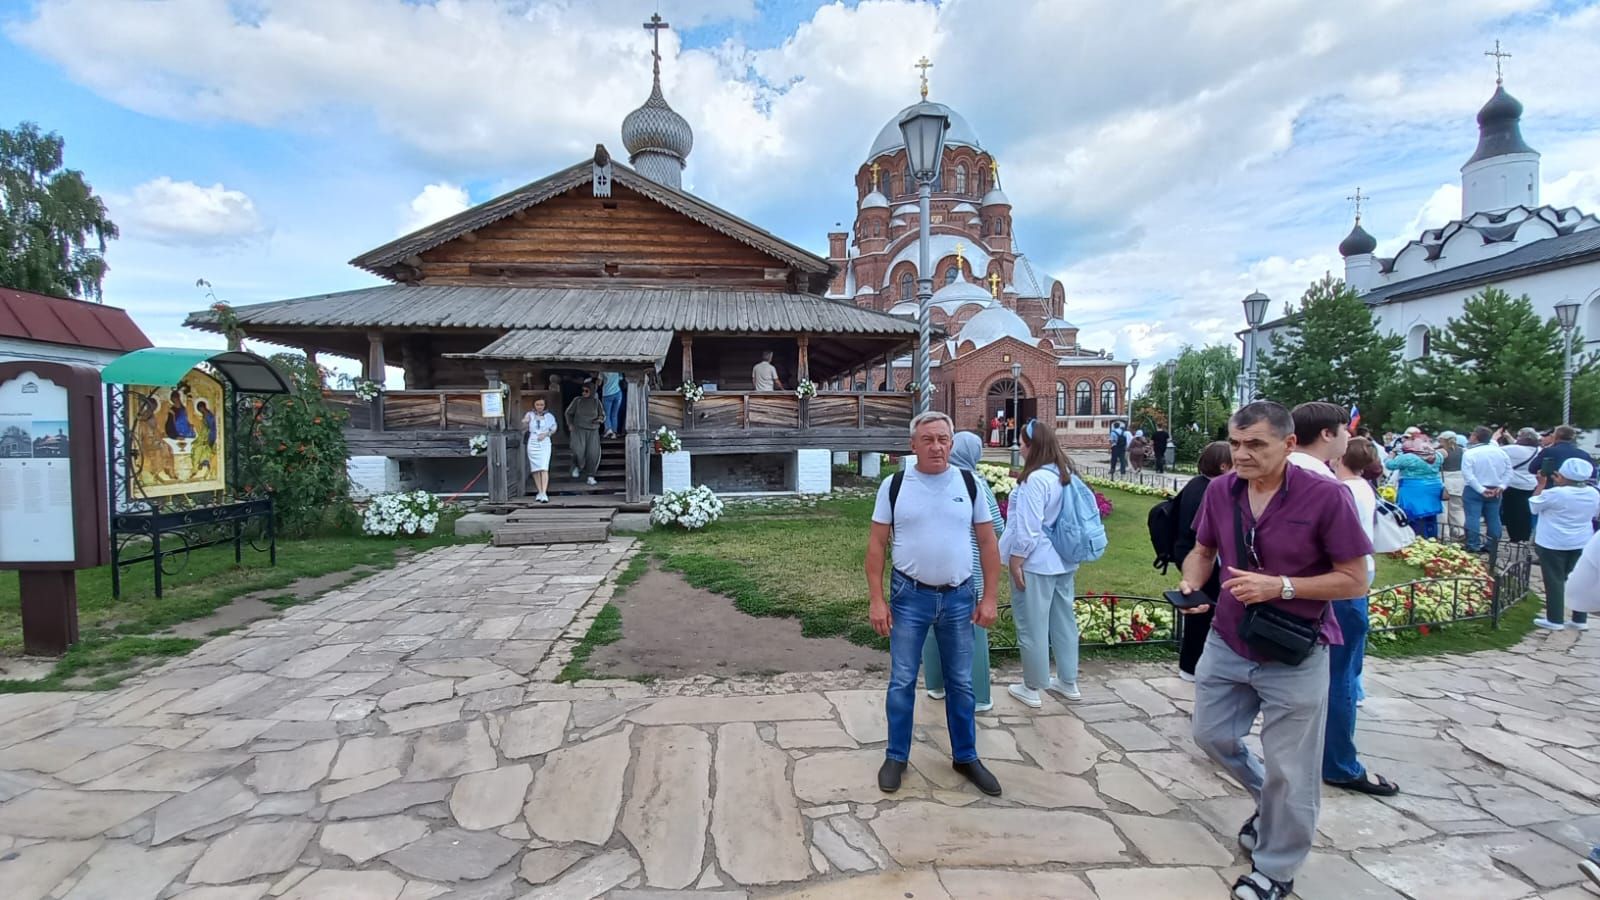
<point>76,323</point>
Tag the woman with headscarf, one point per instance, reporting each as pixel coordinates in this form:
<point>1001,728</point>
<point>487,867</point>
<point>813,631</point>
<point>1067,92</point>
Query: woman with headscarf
<point>1139,451</point>
<point>1421,491</point>
<point>1514,511</point>
<point>964,454</point>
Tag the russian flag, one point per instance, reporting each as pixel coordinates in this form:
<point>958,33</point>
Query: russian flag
<point>1355,416</point>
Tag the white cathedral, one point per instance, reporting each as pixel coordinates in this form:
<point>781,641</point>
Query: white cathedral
<point>1504,238</point>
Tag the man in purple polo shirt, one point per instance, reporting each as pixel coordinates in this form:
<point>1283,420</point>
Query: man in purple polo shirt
<point>1298,545</point>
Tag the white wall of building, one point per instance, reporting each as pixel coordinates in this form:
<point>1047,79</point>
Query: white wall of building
<point>14,349</point>
<point>1580,283</point>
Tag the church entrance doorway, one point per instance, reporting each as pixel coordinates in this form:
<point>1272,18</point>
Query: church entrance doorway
<point>1013,413</point>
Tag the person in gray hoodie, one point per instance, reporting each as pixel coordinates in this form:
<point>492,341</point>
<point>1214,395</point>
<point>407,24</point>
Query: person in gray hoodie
<point>585,417</point>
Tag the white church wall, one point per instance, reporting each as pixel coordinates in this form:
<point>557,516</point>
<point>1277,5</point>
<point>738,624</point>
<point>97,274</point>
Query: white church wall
<point>1545,289</point>
<point>1500,182</point>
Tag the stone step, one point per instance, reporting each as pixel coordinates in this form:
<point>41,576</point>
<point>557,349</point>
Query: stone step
<point>521,534</point>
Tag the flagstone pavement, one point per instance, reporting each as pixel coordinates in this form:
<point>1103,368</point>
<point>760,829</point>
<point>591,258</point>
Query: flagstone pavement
<point>403,738</point>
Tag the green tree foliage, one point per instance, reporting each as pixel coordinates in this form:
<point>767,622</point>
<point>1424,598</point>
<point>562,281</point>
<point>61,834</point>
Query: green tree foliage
<point>296,452</point>
<point>1332,350</point>
<point>53,229</point>
<point>1499,363</point>
<point>1202,397</point>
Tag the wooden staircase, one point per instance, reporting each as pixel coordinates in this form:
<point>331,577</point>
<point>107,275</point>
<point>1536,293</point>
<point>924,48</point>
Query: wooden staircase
<point>552,524</point>
<point>611,476</point>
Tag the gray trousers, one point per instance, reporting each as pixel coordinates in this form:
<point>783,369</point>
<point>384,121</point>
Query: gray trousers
<point>1229,691</point>
<point>586,451</point>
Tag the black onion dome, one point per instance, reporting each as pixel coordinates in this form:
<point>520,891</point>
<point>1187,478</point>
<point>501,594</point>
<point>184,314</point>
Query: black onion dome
<point>1357,243</point>
<point>1500,127</point>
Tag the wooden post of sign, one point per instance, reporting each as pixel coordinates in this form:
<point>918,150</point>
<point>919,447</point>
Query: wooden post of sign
<point>498,465</point>
<point>49,611</point>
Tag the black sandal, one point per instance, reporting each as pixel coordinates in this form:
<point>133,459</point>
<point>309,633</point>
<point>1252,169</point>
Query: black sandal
<point>1248,838</point>
<point>1256,886</point>
<point>1383,787</point>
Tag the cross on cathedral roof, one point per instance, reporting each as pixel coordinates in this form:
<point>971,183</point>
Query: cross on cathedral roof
<point>1357,197</point>
<point>924,65</point>
<point>1500,56</point>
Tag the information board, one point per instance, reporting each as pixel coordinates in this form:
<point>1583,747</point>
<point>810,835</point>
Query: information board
<point>36,513</point>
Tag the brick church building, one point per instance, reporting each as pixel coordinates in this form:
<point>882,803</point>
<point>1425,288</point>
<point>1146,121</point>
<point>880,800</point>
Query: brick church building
<point>994,307</point>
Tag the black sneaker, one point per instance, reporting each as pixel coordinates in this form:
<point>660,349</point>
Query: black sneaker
<point>889,775</point>
<point>979,775</point>
<point>1256,886</point>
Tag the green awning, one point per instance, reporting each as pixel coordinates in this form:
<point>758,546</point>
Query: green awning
<point>162,366</point>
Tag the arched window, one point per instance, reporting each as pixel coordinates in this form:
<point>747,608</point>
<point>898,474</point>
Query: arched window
<point>1061,399</point>
<point>999,226</point>
<point>1419,342</point>
<point>910,183</point>
<point>961,178</point>
<point>1108,398</point>
<point>1084,398</point>
<point>907,290</point>
<point>877,229</point>
<point>950,275</point>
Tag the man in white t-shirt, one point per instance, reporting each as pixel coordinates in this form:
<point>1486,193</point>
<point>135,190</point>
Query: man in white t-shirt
<point>765,374</point>
<point>926,512</point>
<point>1322,434</point>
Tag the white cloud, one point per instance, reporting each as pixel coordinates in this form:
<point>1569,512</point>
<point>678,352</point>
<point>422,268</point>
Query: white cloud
<point>434,202</point>
<point>185,213</point>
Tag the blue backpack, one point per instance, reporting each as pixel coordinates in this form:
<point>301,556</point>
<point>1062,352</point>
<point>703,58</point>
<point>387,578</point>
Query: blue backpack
<point>1077,534</point>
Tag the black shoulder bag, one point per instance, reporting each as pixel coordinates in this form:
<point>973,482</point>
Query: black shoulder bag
<point>1268,630</point>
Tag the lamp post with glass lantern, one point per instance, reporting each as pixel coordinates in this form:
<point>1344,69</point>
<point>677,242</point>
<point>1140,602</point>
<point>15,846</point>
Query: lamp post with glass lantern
<point>923,127</point>
<point>1172,432</point>
<point>1127,392</point>
<point>1567,317</point>
<point>1016,414</point>
<point>1255,310</point>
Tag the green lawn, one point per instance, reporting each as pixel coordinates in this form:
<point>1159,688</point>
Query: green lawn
<point>120,636</point>
<point>809,564</point>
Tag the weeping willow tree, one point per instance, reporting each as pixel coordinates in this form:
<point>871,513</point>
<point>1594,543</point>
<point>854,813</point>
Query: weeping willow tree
<point>1203,387</point>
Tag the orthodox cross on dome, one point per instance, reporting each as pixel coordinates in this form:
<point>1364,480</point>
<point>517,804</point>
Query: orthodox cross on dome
<point>994,170</point>
<point>874,176</point>
<point>655,26</point>
<point>1357,197</point>
<point>994,284</point>
<point>960,257</point>
<point>1499,57</point>
<point>924,65</point>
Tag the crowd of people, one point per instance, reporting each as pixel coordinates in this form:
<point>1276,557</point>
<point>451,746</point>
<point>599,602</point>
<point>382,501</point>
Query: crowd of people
<point>1275,536</point>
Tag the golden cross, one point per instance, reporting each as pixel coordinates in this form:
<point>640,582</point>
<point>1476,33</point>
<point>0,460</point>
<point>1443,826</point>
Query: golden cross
<point>994,169</point>
<point>1499,56</point>
<point>924,65</point>
<point>994,284</point>
<point>874,176</point>
<point>1358,197</point>
<point>960,248</point>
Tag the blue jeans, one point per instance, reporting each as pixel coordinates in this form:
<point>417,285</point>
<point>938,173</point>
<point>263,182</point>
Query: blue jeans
<point>613,407</point>
<point>1339,762</point>
<point>948,614</point>
<point>1477,507</point>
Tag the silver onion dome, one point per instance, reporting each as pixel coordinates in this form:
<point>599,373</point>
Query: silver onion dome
<point>658,140</point>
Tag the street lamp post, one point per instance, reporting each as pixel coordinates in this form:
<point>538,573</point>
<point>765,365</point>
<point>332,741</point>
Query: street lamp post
<point>923,127</point>
<point>1255,309</point>
<point>1127,393</point>
<point>1016,414</point>
<point>1567,317</point>
<point>1172,431</point>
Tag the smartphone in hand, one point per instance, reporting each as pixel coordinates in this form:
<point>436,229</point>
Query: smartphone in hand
<point>1185,601</point>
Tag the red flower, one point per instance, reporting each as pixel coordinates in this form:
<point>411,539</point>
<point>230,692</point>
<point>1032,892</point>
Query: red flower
<point>1422,630</point>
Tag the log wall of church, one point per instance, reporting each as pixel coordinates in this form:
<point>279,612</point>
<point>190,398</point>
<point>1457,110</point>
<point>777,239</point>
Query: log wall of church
<point>626,237</point>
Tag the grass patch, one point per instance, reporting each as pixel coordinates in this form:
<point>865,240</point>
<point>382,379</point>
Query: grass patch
<point>606,629</point>
<point>122,636</point>
<point>637,566</point>
<point>810,564</point>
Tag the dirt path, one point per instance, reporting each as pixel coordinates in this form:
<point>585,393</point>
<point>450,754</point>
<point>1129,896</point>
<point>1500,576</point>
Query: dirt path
<point>672,629</point>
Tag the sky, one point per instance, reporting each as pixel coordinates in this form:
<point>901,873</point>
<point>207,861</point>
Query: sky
<point>1163,158</point>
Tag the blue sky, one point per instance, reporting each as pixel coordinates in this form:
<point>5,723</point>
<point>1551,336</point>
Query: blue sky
<point>1162,161</point>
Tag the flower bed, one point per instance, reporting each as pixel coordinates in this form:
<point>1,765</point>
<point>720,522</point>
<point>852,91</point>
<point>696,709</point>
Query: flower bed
<point>691,508</point>
<point>406,512</point>
<point>1458,585</point>
<point>1001,483</point>
<point>1108,619</point>
<point>1143,490</point>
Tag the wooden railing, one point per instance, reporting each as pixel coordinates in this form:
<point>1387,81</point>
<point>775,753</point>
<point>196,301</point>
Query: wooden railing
<point>413,411</point>
<point>781,410</point>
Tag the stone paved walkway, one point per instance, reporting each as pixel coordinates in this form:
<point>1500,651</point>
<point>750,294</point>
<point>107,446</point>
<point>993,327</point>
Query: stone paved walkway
<point>401,739</point>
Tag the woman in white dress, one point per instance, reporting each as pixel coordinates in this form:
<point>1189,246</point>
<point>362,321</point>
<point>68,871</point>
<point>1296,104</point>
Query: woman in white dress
<point>540,426</point>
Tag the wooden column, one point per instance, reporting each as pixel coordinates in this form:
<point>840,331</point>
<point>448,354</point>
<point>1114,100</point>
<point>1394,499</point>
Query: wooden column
<point>803,364</point>
<point>375,367</point>
<point>636,472</point>
<point>498,462</point>
<point>688,359</point>
<point>888,371</point>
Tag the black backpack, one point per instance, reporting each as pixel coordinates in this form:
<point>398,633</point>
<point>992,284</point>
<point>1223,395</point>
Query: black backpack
<point>899,478</point>
<point>1163,525</point>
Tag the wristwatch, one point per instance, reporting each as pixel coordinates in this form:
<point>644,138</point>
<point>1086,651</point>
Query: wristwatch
<point>1288,588</point>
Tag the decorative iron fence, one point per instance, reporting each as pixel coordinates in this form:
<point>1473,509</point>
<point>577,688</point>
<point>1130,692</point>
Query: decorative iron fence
<point>1104,620</point>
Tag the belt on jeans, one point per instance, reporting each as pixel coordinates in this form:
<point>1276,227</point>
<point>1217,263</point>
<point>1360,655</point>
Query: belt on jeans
<point>936,588</point>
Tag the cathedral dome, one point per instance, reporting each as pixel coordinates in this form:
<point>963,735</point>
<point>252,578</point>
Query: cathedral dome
<point>874,200</point>
<point>1357,242</point>
<point>961,291</point>
<point>658,139</point>
<point>889,138</point>
<point>993,324</point>
<point>996,197</point>
<point>1500,127</point>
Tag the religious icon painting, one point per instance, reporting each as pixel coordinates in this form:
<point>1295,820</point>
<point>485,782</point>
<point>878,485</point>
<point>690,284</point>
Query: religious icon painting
<point>175,438</point>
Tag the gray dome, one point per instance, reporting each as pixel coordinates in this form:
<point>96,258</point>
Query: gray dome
<point>992,324</point>
<point>889,138</point>
<point>996,197</point>
<point>961,291</point>
<point>1500,127</point>
<point>1357,242</point>
<point>658,140</point>
<point>874,200</point>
